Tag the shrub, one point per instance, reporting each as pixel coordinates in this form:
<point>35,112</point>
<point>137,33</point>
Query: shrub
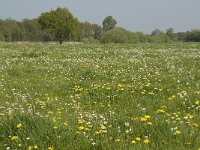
<point>90,40</point>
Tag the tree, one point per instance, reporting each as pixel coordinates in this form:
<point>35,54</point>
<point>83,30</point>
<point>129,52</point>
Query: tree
<point>193,36</point>
<point>109,23</point>
<point>156,32</point>
<point>170,33</point>
<point>116,35</point>
<point>60,23</point>
<point>87,30</point>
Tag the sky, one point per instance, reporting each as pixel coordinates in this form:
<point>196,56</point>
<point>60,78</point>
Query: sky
<point>134,15</point>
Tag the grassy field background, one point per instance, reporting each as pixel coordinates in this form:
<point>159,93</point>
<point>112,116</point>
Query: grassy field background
<point>59,97</point>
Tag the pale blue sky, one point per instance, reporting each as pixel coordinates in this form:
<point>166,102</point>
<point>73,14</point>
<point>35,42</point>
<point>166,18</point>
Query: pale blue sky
<point>134,15</point>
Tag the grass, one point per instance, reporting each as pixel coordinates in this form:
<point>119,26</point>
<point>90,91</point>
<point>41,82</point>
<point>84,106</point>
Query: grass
<point>143,96</point>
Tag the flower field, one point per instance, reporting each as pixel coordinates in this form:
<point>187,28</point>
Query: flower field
<point>83,97</point>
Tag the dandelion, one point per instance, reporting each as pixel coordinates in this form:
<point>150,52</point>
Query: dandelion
<point>19,125</point>
<point>143,119</point>
<point>160,111</point>
<point>147,116</point>
<point>65,124</point>
<point>133,142</point>
<point>197,102</point>
<point>103,127</point>
<point>146,141</point>
<point>195,124</point>
<point>50,148</point>
<point>149,123</point>
<point>81,127</point>
<point>13,138</point>
<point>35,147</point>
<point>138,139</point>
<point>178,132</point>
<point>117,140</point>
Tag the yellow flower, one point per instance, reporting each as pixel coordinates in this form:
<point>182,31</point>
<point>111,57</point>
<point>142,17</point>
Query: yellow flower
<point>117,140</point>
<point>13,138</point>
<point>50,148</point>
<point>65,123</point>
<point>103,127</point>
<point>19,125</point>
<point>146,141</point>
<point>81,127</point>
<point>197,102</point>
<point>133,142</point>
<point>147,116</point>
<point>143,119</point>
<point>138,139</point>
<point>178,132</point>
<point>35,147</point>
<point>160,111</point>
<point>195,124</point>
<point>97,132</point>
<point>149,123</point>
<point>55,127</point>
<point>87,129</point>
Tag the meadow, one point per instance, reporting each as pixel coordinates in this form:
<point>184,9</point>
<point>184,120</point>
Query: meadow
<point>83,97</point>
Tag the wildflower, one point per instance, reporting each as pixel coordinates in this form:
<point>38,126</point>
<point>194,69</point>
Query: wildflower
<point>55,127</point>
<point>147,116</point>
<point>50,148</point>
<point>149,123</point>
<point>160,111</point>
<point>117,140</point>
<point>143,119</point>
<point>195,124</point>
<point>138,139</point>
<point>103,127</point>
<point>87,129</point>
<point>146,141</point>
<point>35,147</point>
<point>65,123</point>
<point>13,138</point>
<point>133,142</point>
<point>81,127</point>
<point>19,125</point>
<point>178,132</point>
<point>197,102</point>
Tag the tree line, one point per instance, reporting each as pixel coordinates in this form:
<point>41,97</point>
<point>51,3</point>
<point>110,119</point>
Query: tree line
<point>60,25</point>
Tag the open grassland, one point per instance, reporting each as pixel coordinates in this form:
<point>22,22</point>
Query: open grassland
<point>86,97</point>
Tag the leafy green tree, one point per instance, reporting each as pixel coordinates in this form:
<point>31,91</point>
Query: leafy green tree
<point>193,36</point>
<point>116,35</point>
<point>33,30</point>
<point>109,23</point>
<point>87,30</point>
<point>156,32</point>
<point>60,22</point>
<point>170,33</point>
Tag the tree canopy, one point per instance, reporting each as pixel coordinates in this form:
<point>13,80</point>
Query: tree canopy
<point>60,23</point>
<point>109,23</point>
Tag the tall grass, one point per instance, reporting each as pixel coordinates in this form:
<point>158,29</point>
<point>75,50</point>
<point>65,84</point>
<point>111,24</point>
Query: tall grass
<point>143,96</point>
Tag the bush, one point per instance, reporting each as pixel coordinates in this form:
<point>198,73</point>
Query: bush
<point>159,38</point>
<point>116,35</point>
<point>90,40</point>
<point>193,36</point>
<point>2,39</point>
